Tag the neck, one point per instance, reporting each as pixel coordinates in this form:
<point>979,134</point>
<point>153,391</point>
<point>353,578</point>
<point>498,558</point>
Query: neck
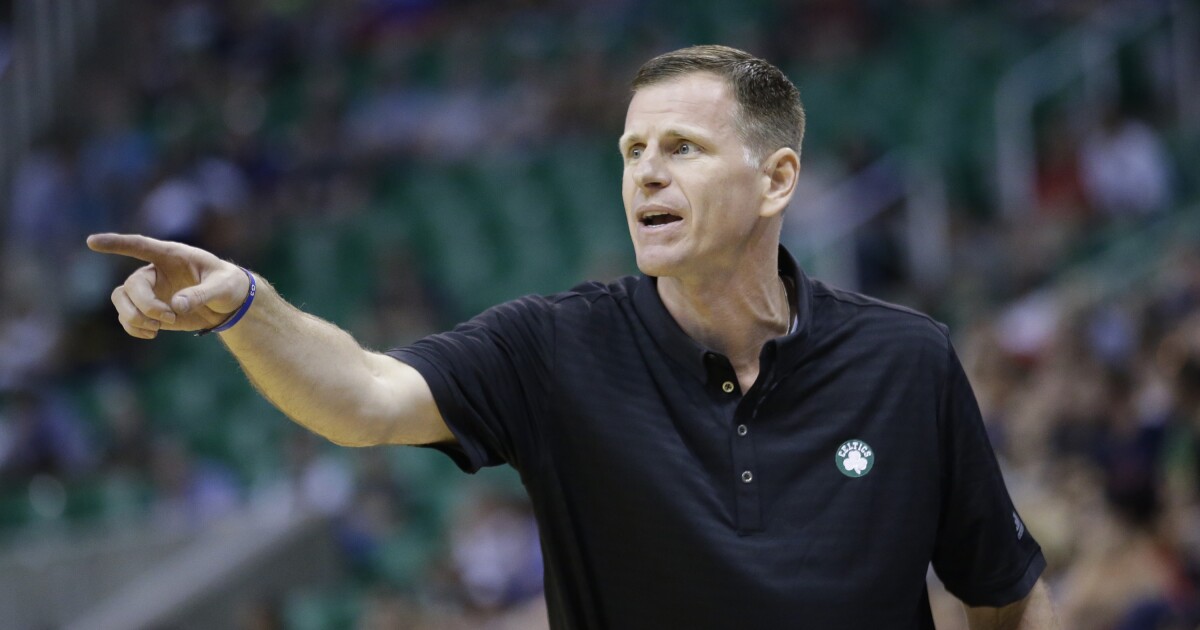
<point>734,311</point>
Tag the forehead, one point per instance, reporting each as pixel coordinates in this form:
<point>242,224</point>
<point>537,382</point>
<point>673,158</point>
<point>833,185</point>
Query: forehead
<point>699,99</point>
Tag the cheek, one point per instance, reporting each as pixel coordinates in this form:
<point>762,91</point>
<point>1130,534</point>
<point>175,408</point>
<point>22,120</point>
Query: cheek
<point>627,190</point>
<point>731,199</point>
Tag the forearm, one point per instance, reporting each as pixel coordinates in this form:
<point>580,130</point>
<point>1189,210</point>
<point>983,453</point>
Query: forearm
<point>319,376</point>
<point>1032,613</point>
<point>312,370</point>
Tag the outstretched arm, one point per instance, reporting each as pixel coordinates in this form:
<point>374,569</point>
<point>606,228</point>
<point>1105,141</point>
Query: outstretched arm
<point>1032,613</point>
<point>310,369</point>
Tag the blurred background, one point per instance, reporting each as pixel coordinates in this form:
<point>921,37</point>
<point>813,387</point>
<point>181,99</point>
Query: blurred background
<point>1025,171</point>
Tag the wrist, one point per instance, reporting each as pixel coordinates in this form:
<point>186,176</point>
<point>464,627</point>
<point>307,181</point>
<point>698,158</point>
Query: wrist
<point>237,315</point>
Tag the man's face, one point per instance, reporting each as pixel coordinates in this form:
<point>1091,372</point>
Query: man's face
<point>691,193</point>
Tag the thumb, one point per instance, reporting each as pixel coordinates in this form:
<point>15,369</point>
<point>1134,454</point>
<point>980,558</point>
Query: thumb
<point>221,292</point>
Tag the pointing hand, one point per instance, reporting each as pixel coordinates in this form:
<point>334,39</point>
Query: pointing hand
<point>181,287</point>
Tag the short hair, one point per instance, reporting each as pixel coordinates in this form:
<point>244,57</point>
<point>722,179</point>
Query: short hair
<point>770,114</point>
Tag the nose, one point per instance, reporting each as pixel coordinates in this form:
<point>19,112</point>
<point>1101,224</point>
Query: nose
<point>650,172</point>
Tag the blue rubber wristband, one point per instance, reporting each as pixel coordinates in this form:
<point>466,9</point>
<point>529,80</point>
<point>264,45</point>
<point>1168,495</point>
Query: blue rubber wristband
<point>237,316</point>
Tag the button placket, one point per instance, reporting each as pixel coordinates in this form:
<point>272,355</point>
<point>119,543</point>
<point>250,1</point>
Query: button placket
<point>749,510</point>
<point>747,501</point>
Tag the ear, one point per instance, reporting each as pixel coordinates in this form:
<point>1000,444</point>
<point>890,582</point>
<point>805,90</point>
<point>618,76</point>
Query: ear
<point>779,172</point>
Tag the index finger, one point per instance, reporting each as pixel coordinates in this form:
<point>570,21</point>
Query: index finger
<point>132,245</point>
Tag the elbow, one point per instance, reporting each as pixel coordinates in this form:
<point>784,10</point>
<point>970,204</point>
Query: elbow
<point>354,430</point>
<point>358,431</point>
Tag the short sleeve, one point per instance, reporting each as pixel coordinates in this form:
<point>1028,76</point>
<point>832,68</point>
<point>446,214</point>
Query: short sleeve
<point>490,378</point>
<point>984,554</point>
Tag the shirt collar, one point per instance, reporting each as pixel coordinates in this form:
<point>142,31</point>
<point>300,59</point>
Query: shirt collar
<point>689,353</point>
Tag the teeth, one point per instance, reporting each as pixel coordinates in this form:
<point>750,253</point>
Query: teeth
<point>651,218</point>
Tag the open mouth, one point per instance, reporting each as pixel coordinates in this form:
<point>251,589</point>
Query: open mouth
<point>659,218</point>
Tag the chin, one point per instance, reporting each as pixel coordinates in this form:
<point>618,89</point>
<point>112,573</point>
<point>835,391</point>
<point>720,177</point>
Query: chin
<point>658,263</point>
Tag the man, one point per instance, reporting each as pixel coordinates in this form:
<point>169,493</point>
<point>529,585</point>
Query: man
<point>720,443</point>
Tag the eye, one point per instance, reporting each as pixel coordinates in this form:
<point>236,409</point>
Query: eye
<point>635,152</point>
<point>685,148</point>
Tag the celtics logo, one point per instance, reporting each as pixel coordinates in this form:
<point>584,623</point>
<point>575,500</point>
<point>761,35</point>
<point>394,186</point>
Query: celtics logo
<point>855,458</point>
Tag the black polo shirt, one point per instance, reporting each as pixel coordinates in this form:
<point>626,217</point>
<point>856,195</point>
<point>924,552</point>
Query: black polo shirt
<point>668,498</point>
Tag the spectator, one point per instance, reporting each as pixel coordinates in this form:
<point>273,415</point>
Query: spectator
<point>31,326</point>
<point>45,214</point>
<point>1125,167</point>
<point>190,492</point>
<point>46,437</point>
<point>494,547</point>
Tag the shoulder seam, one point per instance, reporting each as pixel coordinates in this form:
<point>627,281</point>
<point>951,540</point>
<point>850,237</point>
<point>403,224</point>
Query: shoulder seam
<point>591,297</point>
<point>871,302</point>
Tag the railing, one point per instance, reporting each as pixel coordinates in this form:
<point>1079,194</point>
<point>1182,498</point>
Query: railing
<point>1086,54</point>
<point>1133,261</point>
<point>246,557</point>
<point>49,37</point>
<point>141,574</point>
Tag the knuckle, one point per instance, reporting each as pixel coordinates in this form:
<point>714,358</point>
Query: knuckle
<point>132,323</point>
<point>139,320</point>
<point>135,283</point>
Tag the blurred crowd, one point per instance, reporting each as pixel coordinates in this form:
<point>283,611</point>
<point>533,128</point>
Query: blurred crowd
<point>232,125</point>
<point>1093,404</point>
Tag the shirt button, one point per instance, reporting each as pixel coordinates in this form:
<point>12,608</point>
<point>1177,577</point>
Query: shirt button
<point>742,430</point>
<point>727,387</point>
<point>747,476</point>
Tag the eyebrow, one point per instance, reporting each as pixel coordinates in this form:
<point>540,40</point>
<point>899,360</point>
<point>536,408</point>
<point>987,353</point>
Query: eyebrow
<point>671,132</point>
